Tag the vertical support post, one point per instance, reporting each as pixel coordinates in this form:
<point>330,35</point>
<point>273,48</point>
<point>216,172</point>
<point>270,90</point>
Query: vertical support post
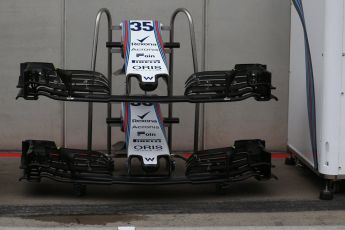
<point>93,68</point>
<point>171,67</point>
<point>63,63</point>
<point>110,70</point>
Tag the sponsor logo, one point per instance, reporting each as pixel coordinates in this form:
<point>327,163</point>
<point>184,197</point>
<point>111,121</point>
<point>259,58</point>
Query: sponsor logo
<point>149,158</point>
<point>143,39</point>
<point>146,61</point>
<point>148,147</point>
<point>147,140</point>
<point>145,55</point>
<point>143,44</point>
<point>145,127</point>
<point>144,121</point>
<point>144,115</point>
<point>143,67</point>
<point>148,78</point>
<point>143,133</point>
<point>144,49</point>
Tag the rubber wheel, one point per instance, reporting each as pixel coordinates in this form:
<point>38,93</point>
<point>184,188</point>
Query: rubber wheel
<point>173,165</point>
<point>290,161</point>
<point>326,195</point>
<point>79,190</point>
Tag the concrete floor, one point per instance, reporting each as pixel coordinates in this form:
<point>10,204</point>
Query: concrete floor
<point>294,183</point>
<point>182,221</point>
<point>290,200</point>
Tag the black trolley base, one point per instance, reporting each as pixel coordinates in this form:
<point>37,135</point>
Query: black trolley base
<point>42,159</point>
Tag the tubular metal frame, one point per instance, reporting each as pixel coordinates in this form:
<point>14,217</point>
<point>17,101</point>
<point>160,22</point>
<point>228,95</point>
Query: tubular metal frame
<point>171,73</point>
<point>170,78</point>
<point>93,68</point>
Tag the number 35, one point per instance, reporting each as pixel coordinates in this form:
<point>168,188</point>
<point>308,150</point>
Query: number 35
<point>137,26</point>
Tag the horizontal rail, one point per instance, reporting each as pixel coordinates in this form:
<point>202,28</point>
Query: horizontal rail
<point>118,27</point>
<point>161,99</point>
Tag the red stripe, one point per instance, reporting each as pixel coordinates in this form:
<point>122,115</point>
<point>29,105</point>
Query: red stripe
<point>280,155</point>
<point>159,112</point>
<point>187,155</point>
<point>126,40</point>
<point>125,123</point>
<point>10,155</point>
<point>159,35</point>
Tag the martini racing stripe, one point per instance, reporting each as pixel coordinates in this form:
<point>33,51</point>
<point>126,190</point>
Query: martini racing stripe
<point>160,118</point>
<point>159,40</point>
<point>127,38</point>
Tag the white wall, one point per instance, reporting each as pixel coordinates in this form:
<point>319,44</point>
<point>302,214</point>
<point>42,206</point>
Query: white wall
<point>29,31</point>
<point>237,31</point>
<point>249,31</point>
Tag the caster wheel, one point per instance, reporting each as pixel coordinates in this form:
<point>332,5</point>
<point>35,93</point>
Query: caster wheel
<point>173,165</point>
<point>79,190</point>
<point>290,161</point>
<point>326,195</point>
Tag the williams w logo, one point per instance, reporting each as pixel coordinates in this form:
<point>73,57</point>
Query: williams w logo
<point>148,78</point>
<point>149,159</point>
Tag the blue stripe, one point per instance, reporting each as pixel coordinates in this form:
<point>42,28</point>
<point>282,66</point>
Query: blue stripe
<point>128,44</point>
<point>123,114</point>
<point>156,31</point>
<point>123,36</point>
<point>310,89</point>
<point>128,124</point>
<point>161,48</point>
<point>159,119</point>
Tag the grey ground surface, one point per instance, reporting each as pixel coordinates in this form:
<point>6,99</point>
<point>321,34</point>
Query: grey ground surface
<point>308,220</point>
<point>289,201</point>
<point>294,183</point>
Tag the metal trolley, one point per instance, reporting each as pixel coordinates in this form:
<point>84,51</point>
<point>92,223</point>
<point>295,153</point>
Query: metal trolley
<point>42,159</point>
<point>115,47</point>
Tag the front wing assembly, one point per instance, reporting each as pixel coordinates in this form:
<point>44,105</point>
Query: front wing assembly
<point>244,81</point>
<point>42,159</point>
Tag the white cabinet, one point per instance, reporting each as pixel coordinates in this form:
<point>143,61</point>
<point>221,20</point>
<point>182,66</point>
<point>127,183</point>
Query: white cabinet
<point>325,22</point>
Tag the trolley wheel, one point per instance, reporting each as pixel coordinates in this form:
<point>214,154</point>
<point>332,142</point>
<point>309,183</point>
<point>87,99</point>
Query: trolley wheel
<point>290,161</point>
<point>173,165</point>
<point>79,189</point>
<point>326,194</point>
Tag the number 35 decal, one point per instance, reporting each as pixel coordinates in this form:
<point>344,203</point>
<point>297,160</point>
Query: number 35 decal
<point>145,25</point>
